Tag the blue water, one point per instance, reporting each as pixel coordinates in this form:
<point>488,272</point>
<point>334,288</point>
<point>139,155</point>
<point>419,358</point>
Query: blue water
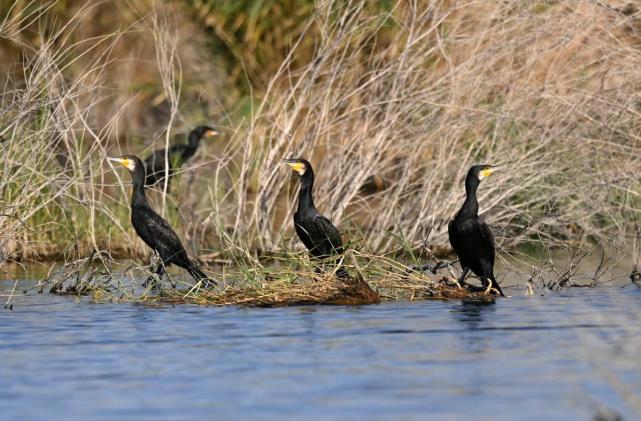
<point>561,356</point>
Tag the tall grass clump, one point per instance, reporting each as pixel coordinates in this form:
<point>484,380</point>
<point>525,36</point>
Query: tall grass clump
<point>418,92</point>
<point>403,95</point>
<point>47,142</point>
<point>75,92</point>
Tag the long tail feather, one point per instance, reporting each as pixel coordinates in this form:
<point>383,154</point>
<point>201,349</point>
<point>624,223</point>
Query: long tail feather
<point>199,275</point>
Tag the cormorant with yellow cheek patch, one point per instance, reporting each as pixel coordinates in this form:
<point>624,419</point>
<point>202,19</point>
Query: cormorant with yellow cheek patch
<point>319,235</point>
<point>152,228</point>
<point>471,237</point>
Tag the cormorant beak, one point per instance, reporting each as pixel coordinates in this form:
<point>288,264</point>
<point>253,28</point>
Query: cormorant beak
<point>297,166</point>
<point>491,169</point>
<point>211,133</point>
<point>125,162</point>
<point>487,172</point>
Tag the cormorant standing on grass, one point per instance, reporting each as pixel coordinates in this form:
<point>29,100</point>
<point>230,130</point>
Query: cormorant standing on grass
<point>178,155</point>
<point>471,237</point>
<point>319,235</point>
<point>152,228</point>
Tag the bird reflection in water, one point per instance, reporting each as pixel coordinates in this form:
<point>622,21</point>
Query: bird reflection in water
<point>472,314</point>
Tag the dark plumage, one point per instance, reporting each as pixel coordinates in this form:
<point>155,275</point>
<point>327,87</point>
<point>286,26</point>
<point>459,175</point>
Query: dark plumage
<point>319,235</point>
<point>177,154</point>
<point>471,237</point>
<point>151,227</point>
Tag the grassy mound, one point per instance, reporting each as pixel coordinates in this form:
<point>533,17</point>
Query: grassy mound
<point>379,279</point>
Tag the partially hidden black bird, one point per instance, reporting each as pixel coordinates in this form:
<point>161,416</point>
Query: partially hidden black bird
<point>152,228</point>
<point>155,164</point>
<point>471,237</point>
<point>317,233</point>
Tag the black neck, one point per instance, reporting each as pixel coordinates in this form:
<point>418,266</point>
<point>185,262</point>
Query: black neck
<point>190,148</point>
<point>194,139</point>
<point>138,196</point>
<point>305,199</point>
<point>471,205</point>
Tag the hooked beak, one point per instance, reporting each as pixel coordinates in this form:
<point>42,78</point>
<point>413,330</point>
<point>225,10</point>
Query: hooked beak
<point>295,165</point>
<point>491,169</point>
<point>125,162</point>
<point>116,160</point>
<point>211,133</point>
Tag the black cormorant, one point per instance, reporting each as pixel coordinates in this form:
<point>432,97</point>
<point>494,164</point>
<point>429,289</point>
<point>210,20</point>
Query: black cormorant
<point>178,155</point>
<point>471,237</point>
<point>152,228</point>
<point>319,235</point>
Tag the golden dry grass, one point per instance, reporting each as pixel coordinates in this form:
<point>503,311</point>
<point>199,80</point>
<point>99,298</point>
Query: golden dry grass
<point>414,94</point>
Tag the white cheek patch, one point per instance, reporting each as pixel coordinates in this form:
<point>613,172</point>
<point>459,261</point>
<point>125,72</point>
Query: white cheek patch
<point>131,165</point>
<point>301,172</point>
<point>481,176</point>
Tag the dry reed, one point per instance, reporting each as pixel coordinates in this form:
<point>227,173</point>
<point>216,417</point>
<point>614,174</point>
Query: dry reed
<point>413,94</point>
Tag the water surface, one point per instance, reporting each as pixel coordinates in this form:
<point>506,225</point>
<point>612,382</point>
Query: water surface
<point>559,356</point>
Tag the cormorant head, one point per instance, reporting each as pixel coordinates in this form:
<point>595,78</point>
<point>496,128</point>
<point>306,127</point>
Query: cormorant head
<point>131,162</point>
<point>480,172</point>
<point>204,131</point>
<point>301,166</point>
